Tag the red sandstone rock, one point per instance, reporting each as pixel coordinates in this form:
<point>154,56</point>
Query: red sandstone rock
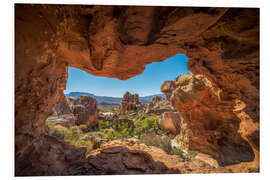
<point>169,122</point>
<point>221,43</point>
<point>71,111</point>
<point>158,105</point>
<point>209,123</point>
<point>129,102</point>
<point>121,160</point>
<point>85,109</point>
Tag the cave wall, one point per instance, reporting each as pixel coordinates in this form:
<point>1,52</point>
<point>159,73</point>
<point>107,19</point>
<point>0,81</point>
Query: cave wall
<point>119,41</point>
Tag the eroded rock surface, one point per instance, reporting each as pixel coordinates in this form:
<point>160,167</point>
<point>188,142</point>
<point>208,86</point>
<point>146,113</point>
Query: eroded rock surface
<point>170,122</point>
<point>221,43</point>
<point>72,111</point>
<point>209,123</point>
<point>129,102</point>
<point>158,105</point>
<point>85,109</point>
<point>121,160</point>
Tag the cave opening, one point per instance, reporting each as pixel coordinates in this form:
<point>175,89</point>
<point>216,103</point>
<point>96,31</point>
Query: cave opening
<point>98,110</point>
<point>201,34</point>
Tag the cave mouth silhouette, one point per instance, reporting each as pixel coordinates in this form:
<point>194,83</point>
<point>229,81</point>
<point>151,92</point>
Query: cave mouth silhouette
<point>111,90</point>
<point>145,84</point>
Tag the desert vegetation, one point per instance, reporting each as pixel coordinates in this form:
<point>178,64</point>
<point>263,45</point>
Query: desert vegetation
<point>134,124</point>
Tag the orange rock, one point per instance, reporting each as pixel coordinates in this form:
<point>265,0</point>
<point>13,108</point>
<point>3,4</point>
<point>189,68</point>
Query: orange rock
<point>119,41</point>
<point>210,124</point>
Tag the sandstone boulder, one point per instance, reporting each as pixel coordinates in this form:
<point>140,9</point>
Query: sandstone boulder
<point>72,111</point>
<point>62,114</point>
<point>169,122</point>
<point>62,108</point>
<point>85,109</point>
<point>121,160</point>
<point>158,105</point>
<point>209,123</point>
<point>66,120</point>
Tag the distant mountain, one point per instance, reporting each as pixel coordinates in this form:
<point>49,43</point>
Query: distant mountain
<point>110,100</point>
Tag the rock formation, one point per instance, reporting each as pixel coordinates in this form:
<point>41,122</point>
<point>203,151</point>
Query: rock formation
<point>221,43</point>
<point>86,111</point>
<point>72,111</point>
<point>121,160</point>
<point>62,108</point>
<point>158,105</point>
<point>210,124</point>
<point>129,102</point>
<point>169,122</point>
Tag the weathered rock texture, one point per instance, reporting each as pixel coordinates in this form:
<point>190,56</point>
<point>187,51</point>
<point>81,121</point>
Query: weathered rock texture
<point>63,107</point>
<point>86,111</point>
<point>121,160</point>
<point>72,111</point>
<point>169,122</point>
<point>119,41</point>
<point>158,105</point>
<point>209,123</point>
<point>129,102</point>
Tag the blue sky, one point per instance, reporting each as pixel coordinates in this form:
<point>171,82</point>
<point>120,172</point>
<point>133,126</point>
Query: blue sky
<point>147,83</point>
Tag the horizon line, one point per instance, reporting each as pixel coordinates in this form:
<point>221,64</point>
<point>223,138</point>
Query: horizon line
<point>114,96</point>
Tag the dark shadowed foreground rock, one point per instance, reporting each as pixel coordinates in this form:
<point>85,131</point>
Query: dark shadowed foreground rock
<point>51,157</point>
<point>210,124</point>
<point>169,122</point>
<point>121,160</point>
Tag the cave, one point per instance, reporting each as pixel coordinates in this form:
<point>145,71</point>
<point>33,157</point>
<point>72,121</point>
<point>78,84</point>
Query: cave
<point>222,45</point>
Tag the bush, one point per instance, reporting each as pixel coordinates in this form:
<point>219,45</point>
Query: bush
<point>57,130</point>
<point>144,126</point>
<point>164,143</point>
<point>73,133</point>
<point>191,154</point>
<point>157,141</point>
<point>82,143</point>
<point>103,124</point>
<point>83,128</point>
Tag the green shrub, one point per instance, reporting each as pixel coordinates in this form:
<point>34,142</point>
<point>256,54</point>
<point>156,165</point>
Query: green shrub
<point>57,130</point>
<point>144,126</point>
<point>103,124</point>
<point>157,141</point>
<point>82,143</point>
<point>191,154</point>
<point>73,133</point>
<point>164,143</point>
<point>83,128</point>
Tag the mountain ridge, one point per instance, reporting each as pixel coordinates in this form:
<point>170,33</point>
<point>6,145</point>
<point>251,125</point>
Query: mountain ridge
<point>109,99</point>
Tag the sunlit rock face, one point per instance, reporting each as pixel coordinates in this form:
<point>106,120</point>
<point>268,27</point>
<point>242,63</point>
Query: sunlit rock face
<point>85,109</point>
<point>119,41</point>
<point>158,105</point>
<point>71,111</point>
<point>169,122</point>
<point>129,102</point>
<point>209,123</point>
